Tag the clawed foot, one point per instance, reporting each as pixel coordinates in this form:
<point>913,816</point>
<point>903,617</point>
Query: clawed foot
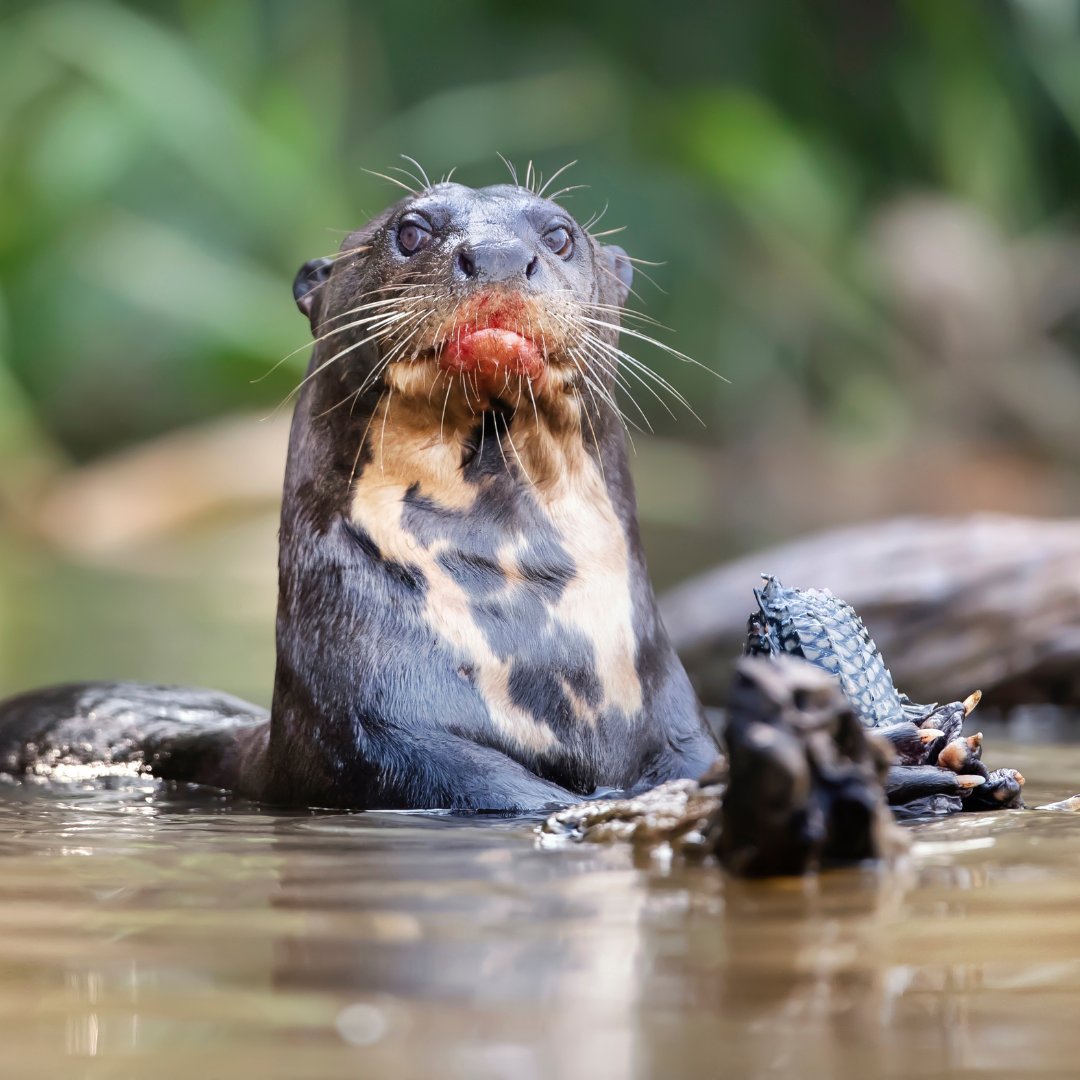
<point>948,719</point>
<point>940,770</point>
<point>912,744</point>
<point>907,783</point>
<point>1002,791</point>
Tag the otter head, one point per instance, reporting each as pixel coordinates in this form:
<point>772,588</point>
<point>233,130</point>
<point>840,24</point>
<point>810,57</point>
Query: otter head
<point>470,300</point>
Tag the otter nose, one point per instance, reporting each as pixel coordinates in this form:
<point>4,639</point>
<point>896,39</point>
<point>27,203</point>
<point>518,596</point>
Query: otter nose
<point>496,260</point>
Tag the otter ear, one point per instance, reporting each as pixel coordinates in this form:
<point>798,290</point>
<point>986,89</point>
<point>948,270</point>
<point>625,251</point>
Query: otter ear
<point>618,265</point>
<point>308,278</point>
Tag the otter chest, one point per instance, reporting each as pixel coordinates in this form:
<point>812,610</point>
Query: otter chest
<point>531,597</point>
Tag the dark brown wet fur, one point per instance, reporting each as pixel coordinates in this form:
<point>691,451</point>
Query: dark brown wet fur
<point>465,618</point>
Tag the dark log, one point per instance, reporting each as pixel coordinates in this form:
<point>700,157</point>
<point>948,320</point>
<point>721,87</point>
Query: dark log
<point>986,602</point>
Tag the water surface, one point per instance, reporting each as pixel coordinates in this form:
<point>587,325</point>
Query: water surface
<point>186,934</point>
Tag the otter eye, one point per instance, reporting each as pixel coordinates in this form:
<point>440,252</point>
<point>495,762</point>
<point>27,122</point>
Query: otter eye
<point>413,235</point>
<point>560,241</point>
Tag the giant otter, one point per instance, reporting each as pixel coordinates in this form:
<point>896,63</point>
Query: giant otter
<point>465,619</point>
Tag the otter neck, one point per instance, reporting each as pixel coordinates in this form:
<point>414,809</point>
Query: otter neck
<point>447,458</point>
<point>394,440</point>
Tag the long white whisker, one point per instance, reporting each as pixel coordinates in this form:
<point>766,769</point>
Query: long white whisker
<point>363,438</point>
<point>615,374</point>
<point>652,341</point>
<point>393,353</point>
<point>382,437</point>
<point>510,439</point>
<point>510,169</point>
<point>483,428</point>
<point>595,388</point>
<point>373,304</point>
<point>637,366</point>
<point>411,175</point>
<point>498,439</point>
<point>465,393</point>
<point>322,337</point>
<point>392,180</point>
<point>621,313</point>
<point>389,321</point>
<point>322,367</point>
<point>610,365</point>
<point>595,219</point>
<point>620,284</point>
<point>586,341</point>
<point>596,441</point>
<point>536,411</point>
<point>446,400</point>
<point>420,168</point>
<point>634,366</point>
<point>566,191</point>
<point>555,175</point>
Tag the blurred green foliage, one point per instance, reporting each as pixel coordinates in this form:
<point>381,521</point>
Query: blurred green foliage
<point>863,215</point>
<point>165,167</point>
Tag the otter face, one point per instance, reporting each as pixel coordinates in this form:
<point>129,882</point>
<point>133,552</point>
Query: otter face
<point>489,296</point>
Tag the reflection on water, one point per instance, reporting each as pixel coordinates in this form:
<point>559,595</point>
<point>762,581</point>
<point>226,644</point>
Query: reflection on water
<point>194,936</point>
<point>191,935</point>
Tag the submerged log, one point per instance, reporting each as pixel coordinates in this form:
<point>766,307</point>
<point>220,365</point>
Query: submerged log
<point>986,602</point>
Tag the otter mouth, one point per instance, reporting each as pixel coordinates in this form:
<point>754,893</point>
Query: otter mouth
<point>491,352</point>
<point>489,344</point>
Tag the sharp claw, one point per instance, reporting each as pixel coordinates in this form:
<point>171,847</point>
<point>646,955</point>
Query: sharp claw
<point>971,701</point>
<point>955,756</point>
<point>974,749</point>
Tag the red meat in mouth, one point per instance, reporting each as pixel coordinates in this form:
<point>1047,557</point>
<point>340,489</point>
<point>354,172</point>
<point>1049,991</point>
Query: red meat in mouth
<point>484,347</point>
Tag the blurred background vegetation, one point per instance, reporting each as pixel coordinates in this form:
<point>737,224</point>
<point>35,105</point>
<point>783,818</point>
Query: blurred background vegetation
<point>864,214</point>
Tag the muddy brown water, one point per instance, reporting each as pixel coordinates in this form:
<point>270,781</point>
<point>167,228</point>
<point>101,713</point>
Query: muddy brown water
<point>155,934</point>
<point>147,933</point>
